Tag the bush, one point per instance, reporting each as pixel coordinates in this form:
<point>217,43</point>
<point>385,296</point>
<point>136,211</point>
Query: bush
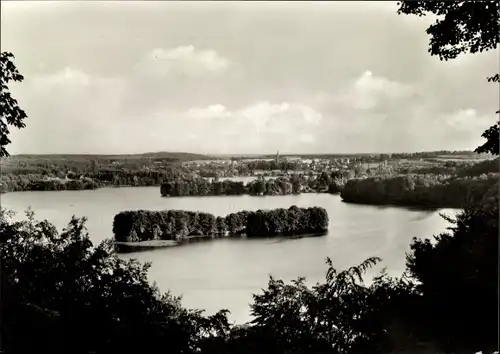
<point>62,295</point>
<point>457,275</point>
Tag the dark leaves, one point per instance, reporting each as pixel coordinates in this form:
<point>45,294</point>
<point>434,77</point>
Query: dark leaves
<point>65,295</point>
<point>457,275</point>
<point>340,315</point>
<point>461,27</point>
<point>494,78</point>
<point>492,137</point>
<point>11,113</point>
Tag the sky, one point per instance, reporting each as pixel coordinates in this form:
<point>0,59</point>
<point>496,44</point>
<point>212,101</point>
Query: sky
<point>239,78</point>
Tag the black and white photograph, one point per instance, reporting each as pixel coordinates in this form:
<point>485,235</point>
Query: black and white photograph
<point>249,177</point>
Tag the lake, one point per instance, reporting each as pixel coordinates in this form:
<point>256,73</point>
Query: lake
<point>224,273</point>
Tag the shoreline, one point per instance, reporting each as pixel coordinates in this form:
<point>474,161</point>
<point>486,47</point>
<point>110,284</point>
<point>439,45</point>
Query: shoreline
<point>381,204</point>
<point>123,247</point>
<point>407,206</point>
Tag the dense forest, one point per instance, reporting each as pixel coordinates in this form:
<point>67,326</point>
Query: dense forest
<point>178,225</point>
<point>418,190</point>
<point>202,187</point>
<point>63,172</point>
<point>174,181</point>
<point>261,186</point>
<point>450,167</point>
<point>87,180</point>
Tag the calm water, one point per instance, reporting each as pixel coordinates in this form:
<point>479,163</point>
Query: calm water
<point>224,273</point>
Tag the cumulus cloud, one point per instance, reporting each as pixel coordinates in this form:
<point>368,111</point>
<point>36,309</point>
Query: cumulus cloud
<point>368,83</point>
<point>264,115</point>
<point>386,115</point>
<point>267,114</point>
<point>250,81</point>
<point>211,112</point>
<point>89,114</point>
<point>467,120</point>
<point>262,125</point>
<point>68,111</point>
<point>64,78</point>
<point>368,91</point>
<point>93,114</point>
<point>183,60</point>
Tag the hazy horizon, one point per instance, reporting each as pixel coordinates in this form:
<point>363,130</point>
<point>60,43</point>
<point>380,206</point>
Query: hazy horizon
<point>271,154</point>
<point>239,78</point>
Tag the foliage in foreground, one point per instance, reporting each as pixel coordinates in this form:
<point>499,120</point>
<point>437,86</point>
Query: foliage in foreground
<point>60,294</point>
<point>457,272</point>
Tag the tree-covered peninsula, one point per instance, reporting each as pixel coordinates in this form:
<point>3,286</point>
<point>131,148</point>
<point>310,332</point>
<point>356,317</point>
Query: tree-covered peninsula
<point>433,191</point>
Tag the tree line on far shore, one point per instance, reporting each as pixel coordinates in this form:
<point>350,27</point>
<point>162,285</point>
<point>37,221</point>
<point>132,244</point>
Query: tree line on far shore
<point>178,225</point>
<point>421,190</point>
<point>293,184</point>
<point>418,190</point>
<point>11,182</point>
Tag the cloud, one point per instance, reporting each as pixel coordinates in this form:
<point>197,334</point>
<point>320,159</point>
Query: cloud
<point>307,138</point>
<point>467,120</point>
<point>112,91</point>
<point>211,112</point>
<point>368,83</point>
<point>463,128</point>
<point>384,115</point>
<point>68,111</point>
<point>368,90</point>
<point>184,61</point>
<point>92,114</point>
<point>460,129</point>
<point>263,115</point>
<point>259,126</point>
<point>66,77</point>
<point>267,114</point>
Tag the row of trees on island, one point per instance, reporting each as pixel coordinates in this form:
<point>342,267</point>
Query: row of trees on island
<point>418,190</point>
<point>178,225</point>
